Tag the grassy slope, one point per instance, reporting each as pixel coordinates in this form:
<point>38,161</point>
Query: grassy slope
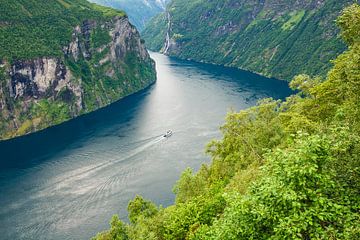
<point>277,40</point>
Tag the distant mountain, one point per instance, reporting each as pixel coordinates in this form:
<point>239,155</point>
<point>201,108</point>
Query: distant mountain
<point>275,38</point>
<point>139,11</point>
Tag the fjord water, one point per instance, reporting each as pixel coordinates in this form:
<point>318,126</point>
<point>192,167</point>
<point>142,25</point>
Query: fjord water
<point>67,181</point>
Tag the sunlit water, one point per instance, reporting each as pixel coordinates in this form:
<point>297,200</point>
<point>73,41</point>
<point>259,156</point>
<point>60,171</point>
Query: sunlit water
<point>67,181</point>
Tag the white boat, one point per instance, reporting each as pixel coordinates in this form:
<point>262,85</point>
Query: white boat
<point>168,134</point>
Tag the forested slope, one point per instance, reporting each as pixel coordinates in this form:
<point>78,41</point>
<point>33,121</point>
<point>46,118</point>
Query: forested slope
<point>63,58</point>
<point>283,170</point>
<point>274,38</point>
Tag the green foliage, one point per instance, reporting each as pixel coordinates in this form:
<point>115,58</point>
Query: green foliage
<point>51,112</point>
<point>279,40</point>
<point>296,17</point>
<point>189,185</point>
<point>117,231</point>
<point>140,207</point>
<point>100,37</point>
<point>38,28</point>
<point>155,32</point>
<point>298,198</point>
<point>304,83</point>
<point>283,170</point>
<point>349,21</point>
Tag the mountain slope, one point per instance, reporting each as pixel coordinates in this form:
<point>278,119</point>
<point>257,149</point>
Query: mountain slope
<point>274,38</point>
<point>139,11</point>
<point>60,59</point>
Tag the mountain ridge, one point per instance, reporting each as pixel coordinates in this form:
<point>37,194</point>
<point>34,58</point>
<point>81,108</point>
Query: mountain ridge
<point>139,11</point>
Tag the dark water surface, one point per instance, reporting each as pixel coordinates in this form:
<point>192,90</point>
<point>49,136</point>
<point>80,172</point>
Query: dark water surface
<point>67,181</point>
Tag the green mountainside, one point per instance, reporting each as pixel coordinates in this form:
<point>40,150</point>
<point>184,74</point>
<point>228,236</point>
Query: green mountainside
<point>282,170</point>
<point>63,58</point>
<point>274,38</point>
<point>37,28</point>
<point>139,11</point>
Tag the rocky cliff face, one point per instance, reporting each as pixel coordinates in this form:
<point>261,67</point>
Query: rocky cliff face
<point>271,37</point>
<point>42,78</point>
<point>103,62</point>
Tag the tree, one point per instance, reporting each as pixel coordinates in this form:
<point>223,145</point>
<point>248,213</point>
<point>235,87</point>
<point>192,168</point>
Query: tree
<point>141,208</point>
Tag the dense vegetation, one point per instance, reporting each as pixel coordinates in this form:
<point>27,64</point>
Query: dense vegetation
<point>37,29</point>
<point>139,11</point>
<point>274,38</point>
<point>283,170</point>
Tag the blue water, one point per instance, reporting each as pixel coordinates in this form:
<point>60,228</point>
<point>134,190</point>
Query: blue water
<point>67,181</point>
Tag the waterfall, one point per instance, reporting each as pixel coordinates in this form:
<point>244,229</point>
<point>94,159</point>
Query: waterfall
<point>167,39</point>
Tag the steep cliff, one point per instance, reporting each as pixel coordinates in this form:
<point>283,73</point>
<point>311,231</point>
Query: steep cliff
<point>46,81</point>
<point>271,37</point>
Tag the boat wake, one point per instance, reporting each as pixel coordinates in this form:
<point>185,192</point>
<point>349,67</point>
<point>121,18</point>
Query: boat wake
<point>110,157</point>
<point>84,188</point>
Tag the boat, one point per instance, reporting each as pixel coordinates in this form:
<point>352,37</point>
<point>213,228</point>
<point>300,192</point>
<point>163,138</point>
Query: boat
<point>168,134</point>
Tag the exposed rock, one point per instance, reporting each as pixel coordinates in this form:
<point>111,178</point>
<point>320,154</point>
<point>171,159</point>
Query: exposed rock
<point>125,38</point>
<point>28,82</point>
<point>41,78</point>
<point>73,48</point>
